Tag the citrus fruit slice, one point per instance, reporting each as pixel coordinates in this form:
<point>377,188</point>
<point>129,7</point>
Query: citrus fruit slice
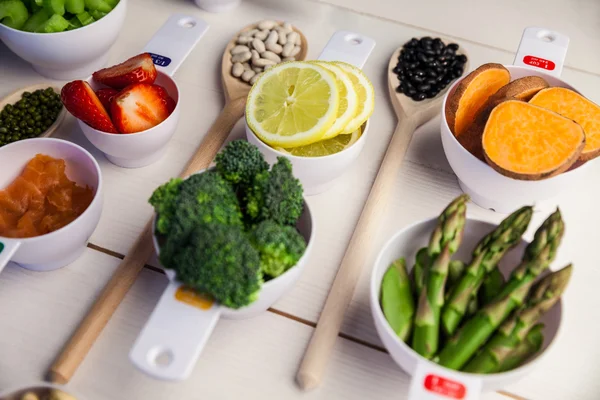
<point>293,104</point>
<point>348,99</point>
<point>324,147</point>
<point>365,92</point>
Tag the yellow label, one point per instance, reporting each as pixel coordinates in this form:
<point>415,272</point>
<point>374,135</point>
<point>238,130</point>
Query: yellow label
<point>189,296</point>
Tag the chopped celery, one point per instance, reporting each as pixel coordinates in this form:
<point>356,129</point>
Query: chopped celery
<point>112,3</point>
<point>39,3</point>
<point>55,6</point>
<point>99,5</point>
<point>74,23</point>
<point>98,14</point>
<point>37,19</point>
<point>75,6</point>
<point>56,23</point>
<point>13,13</point>
<point>31,6</point>
<point>85,18</point>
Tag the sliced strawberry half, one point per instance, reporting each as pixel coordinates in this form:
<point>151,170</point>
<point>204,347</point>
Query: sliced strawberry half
<point>168,99</point>
<point>81,101</point>
<point>139,107</point>
<point>138,69</point>
<point>106,95</point>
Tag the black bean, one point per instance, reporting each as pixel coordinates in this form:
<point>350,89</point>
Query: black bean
<point>447,80</point>
<point>414,42</point>
<point>411,91</point>
<point>461,58</point>
<point>413,65</point>
<point>449,51</point>
<point>432,73</point>
<point>429,52</point>
<point>424,87</point>
<point>453,46</point>
<point>399,89</point>
<point>417,79</point>
<point>419,96</point>
<point>437,43</point>
<point>421,57</point>
<point>431,81</point>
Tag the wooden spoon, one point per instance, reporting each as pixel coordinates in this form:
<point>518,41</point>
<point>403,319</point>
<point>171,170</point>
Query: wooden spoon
<point>411,115</point>
<point>16,96</point>
<point>42,392</point>
<point>236,93</point>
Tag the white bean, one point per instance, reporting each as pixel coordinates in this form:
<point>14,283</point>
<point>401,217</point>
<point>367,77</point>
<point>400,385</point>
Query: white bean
<point>289,59</point>
<point>287,25</point>
<point>269,55</point>
<point>262,35</point>
<point>249,33</point>
<point>246,66</point>
<point>282,39</point>
<point>237,70</point>
<point>239,49</point>
<point>274,47</point>
<point>287,49</point>
<point>242,57</point>
<point>258,45</point>
<point>267,67</point>
<point>266,24</point>
<point>247,75</point>
<point>254,79</point>
<point>257,69</point>
<point>295,51</point>
<point>262,62</point>
<point>244,39</point>
<point>292,37</point>
<point>255,55</point>
<point>272,38</point>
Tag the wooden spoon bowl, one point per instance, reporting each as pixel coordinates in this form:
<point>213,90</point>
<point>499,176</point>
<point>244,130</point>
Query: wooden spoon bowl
<point>16,96</point>
<point>235,87</point>
<point>41,391</point>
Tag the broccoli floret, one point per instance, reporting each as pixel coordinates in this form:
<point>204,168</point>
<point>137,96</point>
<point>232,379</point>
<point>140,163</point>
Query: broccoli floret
<point>239,162</point>
<point>275,195</point>
<point>163,200</point>
<point>219,260</point>
<point>280,247</point>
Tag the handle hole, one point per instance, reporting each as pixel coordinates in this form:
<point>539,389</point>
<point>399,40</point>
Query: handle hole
<point>160,357</point>
<point>546,36</point>
<point>353,40</point>
<point>187,23</point>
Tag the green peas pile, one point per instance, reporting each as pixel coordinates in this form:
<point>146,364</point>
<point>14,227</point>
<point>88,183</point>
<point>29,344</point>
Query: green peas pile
<point>30,116</point>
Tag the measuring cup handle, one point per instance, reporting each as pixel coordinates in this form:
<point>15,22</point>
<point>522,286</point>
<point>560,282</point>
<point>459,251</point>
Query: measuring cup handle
<point>174,41</point>
<point>543,49</point>
<point>8,248</point>
<point>349,47</point>
<point>174,336</point>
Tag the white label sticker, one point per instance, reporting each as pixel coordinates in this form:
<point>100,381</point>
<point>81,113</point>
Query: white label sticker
<point>431,382</point>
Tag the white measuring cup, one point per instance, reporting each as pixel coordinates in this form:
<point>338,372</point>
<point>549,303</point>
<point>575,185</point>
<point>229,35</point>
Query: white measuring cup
<point>183,320</point>
<point>169,47</point>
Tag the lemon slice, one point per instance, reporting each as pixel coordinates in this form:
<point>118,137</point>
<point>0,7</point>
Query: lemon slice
<point>366,96</point>
<point>348,99</point>
<point>293,104</point>
<point>324,147</point>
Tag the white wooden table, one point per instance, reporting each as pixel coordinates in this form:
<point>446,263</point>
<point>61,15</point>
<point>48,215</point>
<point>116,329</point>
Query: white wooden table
<point>257,359</point>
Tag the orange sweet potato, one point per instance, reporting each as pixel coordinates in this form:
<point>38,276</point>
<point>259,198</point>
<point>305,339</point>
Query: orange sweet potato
<point>576,107</point>
<point>524,141</point>
<point>471,94</point>
<point>519,89</point>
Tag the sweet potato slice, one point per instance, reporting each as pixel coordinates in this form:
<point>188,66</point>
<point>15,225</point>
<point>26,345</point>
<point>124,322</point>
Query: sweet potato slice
<point>527,142</point>
<point>471,93</point>
<point>519,89</point>
<point>576,107</point>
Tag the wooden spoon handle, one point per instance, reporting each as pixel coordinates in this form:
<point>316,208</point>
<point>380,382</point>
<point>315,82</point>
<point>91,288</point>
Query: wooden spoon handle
<point>123,278</point>
<point>322,342</point>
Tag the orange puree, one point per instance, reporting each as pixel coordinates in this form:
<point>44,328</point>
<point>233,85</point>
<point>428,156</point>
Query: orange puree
<point>41,200</point>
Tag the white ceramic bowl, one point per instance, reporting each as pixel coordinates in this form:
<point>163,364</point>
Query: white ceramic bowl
<point>405,244</point>
<point>61,247</point>
<point>217,6</point>
<point>71,54</point>
<point>134,150</point>
<point>317,174</point>
<point>492,190</point>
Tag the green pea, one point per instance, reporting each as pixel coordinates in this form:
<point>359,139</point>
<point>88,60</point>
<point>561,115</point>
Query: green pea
<point>37,131</point>
<point>3,129</point>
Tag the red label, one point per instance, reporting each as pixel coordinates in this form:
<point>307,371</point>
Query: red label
<point>539,62</point>
<point>445,387</point>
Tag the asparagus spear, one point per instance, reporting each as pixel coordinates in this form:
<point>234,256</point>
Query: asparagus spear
<point>472,307</point>
<point>513,332</point>
<point>528,347</point>
<point>397,299</point>
<point>492,285</point>
<point>455,271</point>
<point>449,229</point>
<point>421,266</point>
<point>425,339</point>
<point>486,256</point>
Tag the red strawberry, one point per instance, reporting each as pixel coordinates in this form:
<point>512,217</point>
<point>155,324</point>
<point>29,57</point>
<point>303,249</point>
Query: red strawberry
<point>138,69</point>
<point>106,95</point>
<point>81,101</point>
<point>168,99</point>
<point>139,107</point>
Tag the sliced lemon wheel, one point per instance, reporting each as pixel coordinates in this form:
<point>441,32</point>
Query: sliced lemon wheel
<point>366,96</point>
<point>348,99</point>
<point>293,104</point>
<point>324,147</point>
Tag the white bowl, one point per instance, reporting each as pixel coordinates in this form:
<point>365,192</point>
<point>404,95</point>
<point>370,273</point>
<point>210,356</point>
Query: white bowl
<point>63,246</point>
<point>217,6</point>
<point>134,150</point>
<point>492,190</point>
<point>317,174</point>
<point>71,54</point>
<point>406,243</point>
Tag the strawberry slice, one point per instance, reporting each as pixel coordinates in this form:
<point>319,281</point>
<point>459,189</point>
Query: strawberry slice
<point>139,107</point>
<point>168,99</point>
<point>81,101</point>
<point>138,69</point>
<point>106,95</point>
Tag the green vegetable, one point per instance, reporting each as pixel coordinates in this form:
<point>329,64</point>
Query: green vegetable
<point>275,195</point>
<point>36,20</point>
<point>85,18</point>
<point>397,300</point>
<point>164,200</point>
<point>486,256</point>
<point>75,6</point>
<point>99,5</point>
<point>98,15</point>
<point>239,162</point>
<point>32,5</point>
<point>280,247</point>
<point>420,268</point>
<point>455,271</point>
<point>472,307</point>
<point>219,260</point>
<point>514,331</point>
<point>492,285</point>
<point>532,344</point>
<point>55,7</point>
<point>74,23</point>
<point>449,229</point>
<point>13,13</point>
<point>54,24</point>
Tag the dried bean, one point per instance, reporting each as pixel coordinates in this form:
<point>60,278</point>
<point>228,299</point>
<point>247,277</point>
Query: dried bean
<point>262,62</point>
<point>266,24</point>
<point>273,37</point>
<point>269,55</point>
<point>258,45</point>
<point>289,59</point>
<point>287,49</point>
<point>282,39</point>
<point>274,47</point>
<point>287,25</point>
<point>262,35</point>
<point>246,66</point>
<point>254,79</point>
<point>251,32</point>
<point>237,70</point>
<point>255,55</point>
<point>242,57</point>
<point>295,52</point>
<point>244,40</point>
<point>292,37</point>
<point>247,75</point>
<point>257,69</point>
<point>239,49</point>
